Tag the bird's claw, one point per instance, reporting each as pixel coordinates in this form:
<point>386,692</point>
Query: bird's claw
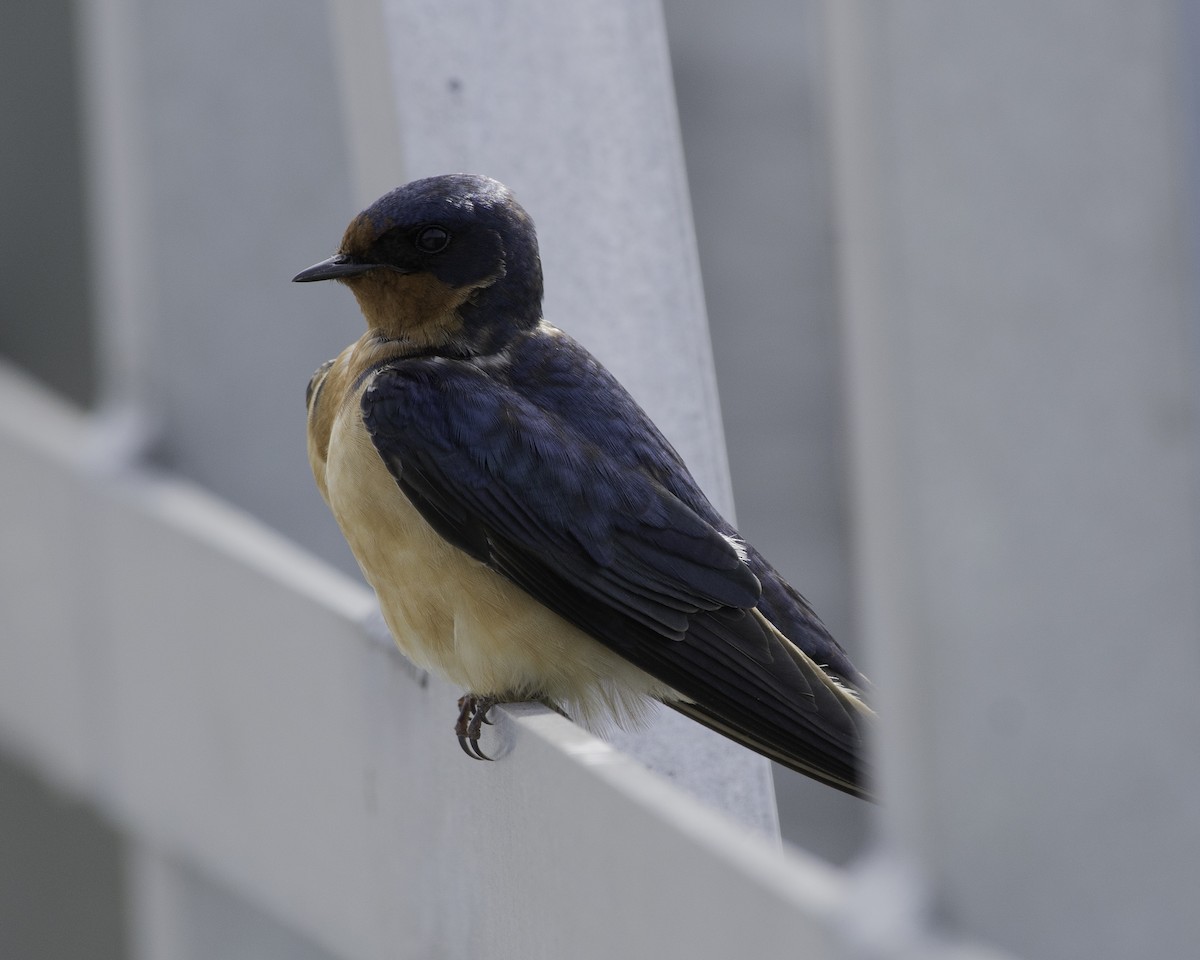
<point>472,714</point>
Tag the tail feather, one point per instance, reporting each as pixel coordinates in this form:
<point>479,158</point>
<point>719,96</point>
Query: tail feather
<point>819,733</point>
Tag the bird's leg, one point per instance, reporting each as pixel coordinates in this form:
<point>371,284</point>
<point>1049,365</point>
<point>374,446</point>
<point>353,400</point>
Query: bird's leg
<point>472,714</point>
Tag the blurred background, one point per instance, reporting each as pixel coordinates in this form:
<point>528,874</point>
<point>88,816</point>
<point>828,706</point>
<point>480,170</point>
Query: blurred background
<point>949,269</point>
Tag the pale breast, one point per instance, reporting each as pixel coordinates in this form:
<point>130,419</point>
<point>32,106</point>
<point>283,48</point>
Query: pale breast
<point>453,615</point>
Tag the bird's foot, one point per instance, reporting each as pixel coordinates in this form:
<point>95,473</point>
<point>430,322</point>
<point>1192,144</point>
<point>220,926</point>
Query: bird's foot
<point>472,714</point>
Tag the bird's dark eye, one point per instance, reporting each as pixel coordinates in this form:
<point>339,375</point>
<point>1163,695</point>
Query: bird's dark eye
<point>432,239</point>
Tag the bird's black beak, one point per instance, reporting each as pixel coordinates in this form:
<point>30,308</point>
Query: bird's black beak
<point>334,268</point>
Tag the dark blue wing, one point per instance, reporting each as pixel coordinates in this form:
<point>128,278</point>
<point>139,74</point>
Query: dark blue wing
<point>554,372</point>
<point>495,469</point>
<point>607,546</point>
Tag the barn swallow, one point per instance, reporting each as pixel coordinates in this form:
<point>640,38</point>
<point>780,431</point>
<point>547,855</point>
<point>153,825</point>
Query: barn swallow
<point>529,532</point>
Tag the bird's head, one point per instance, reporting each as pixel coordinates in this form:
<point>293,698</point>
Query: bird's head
<point>448,263</point>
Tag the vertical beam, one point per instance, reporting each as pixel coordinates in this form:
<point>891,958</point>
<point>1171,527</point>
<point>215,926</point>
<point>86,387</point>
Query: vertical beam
<point>118,220</point>
<point>572,107</point>
<point>1020,311</point>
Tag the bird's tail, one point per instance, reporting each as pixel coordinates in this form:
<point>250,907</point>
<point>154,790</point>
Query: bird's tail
<point>820,734</point>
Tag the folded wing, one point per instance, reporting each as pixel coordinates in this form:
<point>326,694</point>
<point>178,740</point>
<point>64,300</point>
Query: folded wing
<point>611,550</point>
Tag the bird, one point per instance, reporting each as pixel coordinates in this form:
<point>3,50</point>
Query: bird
<point>529,532</point>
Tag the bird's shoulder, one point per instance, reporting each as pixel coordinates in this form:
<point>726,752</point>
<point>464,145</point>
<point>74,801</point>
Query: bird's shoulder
<point>546,378</point>
<point>542,408</point>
